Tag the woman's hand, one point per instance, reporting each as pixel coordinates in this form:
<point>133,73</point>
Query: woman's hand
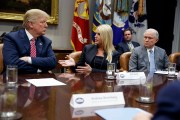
<point>84,69</point>
<point>67,63</point>
<point>143,116</point>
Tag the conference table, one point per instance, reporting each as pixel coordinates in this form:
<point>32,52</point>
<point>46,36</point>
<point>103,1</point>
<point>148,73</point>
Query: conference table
<point>53,102</point>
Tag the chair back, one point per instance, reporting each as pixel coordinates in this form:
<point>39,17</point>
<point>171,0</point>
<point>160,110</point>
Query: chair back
<point>174,57</point>
<point>124,61</point>
<point>75,55</point>
<point>1,58</point>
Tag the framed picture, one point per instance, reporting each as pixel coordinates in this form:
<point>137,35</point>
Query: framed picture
<point>15,9</point>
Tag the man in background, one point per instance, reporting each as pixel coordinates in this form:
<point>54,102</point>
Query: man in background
<point>127,44</point>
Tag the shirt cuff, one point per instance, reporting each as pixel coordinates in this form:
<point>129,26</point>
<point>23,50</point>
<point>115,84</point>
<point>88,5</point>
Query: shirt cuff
<point>29,60</point>
<point>39,71</point>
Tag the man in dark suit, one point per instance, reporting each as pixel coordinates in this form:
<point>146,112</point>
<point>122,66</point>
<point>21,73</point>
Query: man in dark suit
<point>127,44</point>
<point>141,59</point>
<point>18,50</point>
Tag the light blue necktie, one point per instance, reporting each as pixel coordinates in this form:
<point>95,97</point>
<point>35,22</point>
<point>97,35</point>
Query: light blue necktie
<point>151,60</point>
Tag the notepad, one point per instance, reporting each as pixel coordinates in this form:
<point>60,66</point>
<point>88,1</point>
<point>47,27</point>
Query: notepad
<point>45,82</point>
<point>119,113</point>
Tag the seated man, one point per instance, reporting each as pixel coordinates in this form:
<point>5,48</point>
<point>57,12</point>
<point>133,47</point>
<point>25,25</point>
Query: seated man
<point>127,44</point>
<point>149,58</point>
<point>28,48</point>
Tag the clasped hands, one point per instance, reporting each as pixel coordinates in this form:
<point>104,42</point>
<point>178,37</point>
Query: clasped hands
<point>25,59</point>
<point>70,62</point>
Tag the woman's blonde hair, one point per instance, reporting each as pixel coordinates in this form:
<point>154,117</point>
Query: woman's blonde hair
<point>106,35</point>
<point>33,15</point>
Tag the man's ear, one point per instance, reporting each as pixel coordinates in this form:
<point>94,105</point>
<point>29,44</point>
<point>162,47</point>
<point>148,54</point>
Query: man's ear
<point>30,24</point>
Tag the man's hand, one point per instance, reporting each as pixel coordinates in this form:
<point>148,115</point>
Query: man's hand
<point>25,59</point>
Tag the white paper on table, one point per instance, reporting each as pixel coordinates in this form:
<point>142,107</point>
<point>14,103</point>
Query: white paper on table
<point>45,82</point>
<point>163,72</point>
<point>119,113</point>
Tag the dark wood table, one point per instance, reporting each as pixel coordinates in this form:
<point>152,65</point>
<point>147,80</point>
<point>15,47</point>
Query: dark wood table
<point>52,103</point>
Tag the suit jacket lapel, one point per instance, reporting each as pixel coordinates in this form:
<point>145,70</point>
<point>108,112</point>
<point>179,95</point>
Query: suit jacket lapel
<point>156,55</point>
<point>126,46</point>
<point>39,46</point>
<point>145,56</point>
<point>92,53</point>
<point>24,39</point>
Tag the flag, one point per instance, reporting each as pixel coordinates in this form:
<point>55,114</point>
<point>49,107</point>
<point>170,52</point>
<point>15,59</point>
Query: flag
<point>120,19</point>
<point>102,14</point>
<point>138,19</point>
<point>80,27</point>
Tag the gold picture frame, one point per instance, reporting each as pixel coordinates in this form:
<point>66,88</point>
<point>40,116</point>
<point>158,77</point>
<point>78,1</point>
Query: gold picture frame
<point>6,14</point>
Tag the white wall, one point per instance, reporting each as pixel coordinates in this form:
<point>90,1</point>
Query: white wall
<point>59,34</point>
<point>176,41</point>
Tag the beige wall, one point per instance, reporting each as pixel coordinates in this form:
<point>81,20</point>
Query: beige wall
<point>59,34</point>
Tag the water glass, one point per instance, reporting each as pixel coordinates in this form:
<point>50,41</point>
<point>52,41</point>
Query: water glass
<point>11,75</point>
<point>171,69</point>
<point>110,70</point>
<point>8,101</point>
<point>109,86</point>
<point>146,89</point>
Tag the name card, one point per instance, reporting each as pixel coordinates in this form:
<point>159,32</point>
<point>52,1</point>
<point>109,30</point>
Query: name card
<point>130,78</point>
<point>130,75</point>
<point>127,82</point>
<point>97,99</point>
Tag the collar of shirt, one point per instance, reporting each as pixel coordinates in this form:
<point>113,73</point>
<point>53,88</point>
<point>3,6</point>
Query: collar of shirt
<point>28,35</point>
<point>150,49</point>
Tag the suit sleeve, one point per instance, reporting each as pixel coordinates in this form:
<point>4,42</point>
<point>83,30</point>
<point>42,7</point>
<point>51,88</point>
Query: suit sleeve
<point>13,50</point>
<point>168,103</point>
<point>133,61</point>
<point>46,62</point>
<point>11,56</point>
<point>120,49</point>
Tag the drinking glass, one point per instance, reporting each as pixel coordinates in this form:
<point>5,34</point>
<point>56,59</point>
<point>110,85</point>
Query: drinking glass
<point>171,69</point>
<point>146,90</point>
<point>11,75</point>
<point>110,70</point>
<point>8,101</point>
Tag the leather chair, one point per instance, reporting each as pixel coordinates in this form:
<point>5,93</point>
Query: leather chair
<point>75,55</point>
<point>1,58</point>
<point>124,61</point>
<point>174,58</point>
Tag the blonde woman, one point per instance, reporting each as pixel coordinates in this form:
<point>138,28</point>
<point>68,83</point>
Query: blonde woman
<point>94,57</point>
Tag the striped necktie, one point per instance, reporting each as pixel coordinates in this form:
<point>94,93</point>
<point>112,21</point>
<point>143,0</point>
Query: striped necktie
<point>33,48</point>
<point>131,47</point>
<point>151,60</point>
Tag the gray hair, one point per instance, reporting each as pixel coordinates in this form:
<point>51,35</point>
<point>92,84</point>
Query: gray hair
<point>155,32</point>
<point>32,15</point>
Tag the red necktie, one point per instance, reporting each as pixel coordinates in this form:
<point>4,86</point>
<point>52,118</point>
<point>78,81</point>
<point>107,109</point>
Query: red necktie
<point>33,48</point>
<point>31,92</point>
